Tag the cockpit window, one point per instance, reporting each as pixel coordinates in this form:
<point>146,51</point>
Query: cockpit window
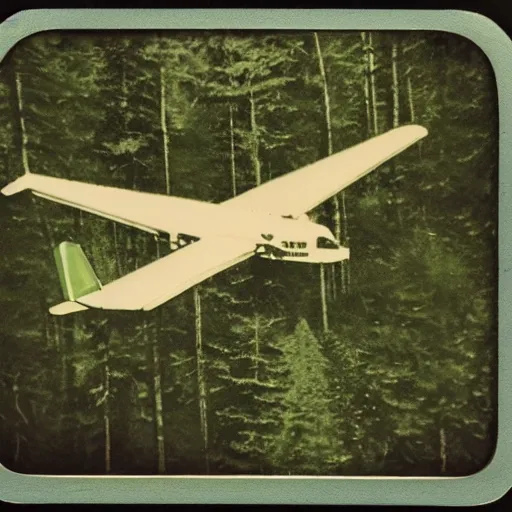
<point>326,243</point>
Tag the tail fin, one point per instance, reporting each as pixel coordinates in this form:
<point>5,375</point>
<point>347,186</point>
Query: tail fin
<point>77,277</point>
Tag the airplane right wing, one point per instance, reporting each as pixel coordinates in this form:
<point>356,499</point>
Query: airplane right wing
<point>298,192</point>
<point>149,286</point>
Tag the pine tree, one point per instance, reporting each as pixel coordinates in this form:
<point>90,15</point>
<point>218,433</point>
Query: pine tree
<point>305,443</point>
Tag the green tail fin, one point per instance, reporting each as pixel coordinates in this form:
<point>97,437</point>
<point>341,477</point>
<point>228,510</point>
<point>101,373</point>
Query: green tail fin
<point>77,278</point>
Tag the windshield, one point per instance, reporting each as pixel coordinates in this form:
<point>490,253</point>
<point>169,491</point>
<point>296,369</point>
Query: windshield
<point>326,243</point>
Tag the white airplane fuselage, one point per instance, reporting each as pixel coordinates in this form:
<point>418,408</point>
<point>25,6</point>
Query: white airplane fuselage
<point>302,241</point>
<point>281,238</point>
<point>274,236</point>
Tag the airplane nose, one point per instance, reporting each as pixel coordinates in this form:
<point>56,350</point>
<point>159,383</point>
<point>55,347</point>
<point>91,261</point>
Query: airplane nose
<point>343,253</point>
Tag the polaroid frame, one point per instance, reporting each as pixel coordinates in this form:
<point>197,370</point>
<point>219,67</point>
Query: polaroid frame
<point>487,485</point>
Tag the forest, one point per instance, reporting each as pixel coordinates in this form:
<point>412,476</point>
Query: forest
<point>382,365</point>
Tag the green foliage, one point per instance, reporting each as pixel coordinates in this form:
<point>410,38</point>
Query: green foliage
<point>306,441</point>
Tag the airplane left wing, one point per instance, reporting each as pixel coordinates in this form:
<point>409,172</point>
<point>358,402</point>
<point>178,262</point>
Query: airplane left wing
<point>154,213</point>
<point>159,281</point>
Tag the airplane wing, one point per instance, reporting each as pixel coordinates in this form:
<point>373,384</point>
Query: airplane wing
<point>150,212</point>
<point>300,191</point>
<point>292,194</point>
<point>155,283</point>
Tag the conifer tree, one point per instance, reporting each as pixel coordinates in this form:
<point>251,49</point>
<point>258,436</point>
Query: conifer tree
<point>305,442</point>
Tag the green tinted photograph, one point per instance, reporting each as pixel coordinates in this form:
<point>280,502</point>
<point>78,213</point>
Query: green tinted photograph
<point>248,253</point>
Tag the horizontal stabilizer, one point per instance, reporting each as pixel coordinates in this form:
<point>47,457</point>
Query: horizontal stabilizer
<point>64,308</point>
<point>18,185</point>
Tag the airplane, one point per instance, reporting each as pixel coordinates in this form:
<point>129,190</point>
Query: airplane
<point>269,221</point>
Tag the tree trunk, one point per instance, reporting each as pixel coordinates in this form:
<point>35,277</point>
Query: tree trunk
<point>165,133</point>
<point>256,345</point>
<point>442,450</point>
<point>410,99</point>
<point>344,265</point>
<point>19,429</point>
<point>371,93</point>
<point>339,210</point>
<point>396,121</point>
<point>367,85</point>
<point>255,143</point>
<point>157,383</point>
<point>46,331</point>
<point>328,127</point>
<point>157,398</point>
<point>24,157</point>
<point>67,344</point>
<point>24,137</point>
<point>327,104</point>
<point>56,330</point>
<point>232,148</point>
<point>157,388</point>
<point>129,178</point>
<point>396,97</point>
<point>60,338</point>
<point>325,319</point>
<point>116,249</point>
<point>123,107</point>
<point>106,409</point>
<point>331,282</point>
<point>373,88</point>
<point>201,382</point>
